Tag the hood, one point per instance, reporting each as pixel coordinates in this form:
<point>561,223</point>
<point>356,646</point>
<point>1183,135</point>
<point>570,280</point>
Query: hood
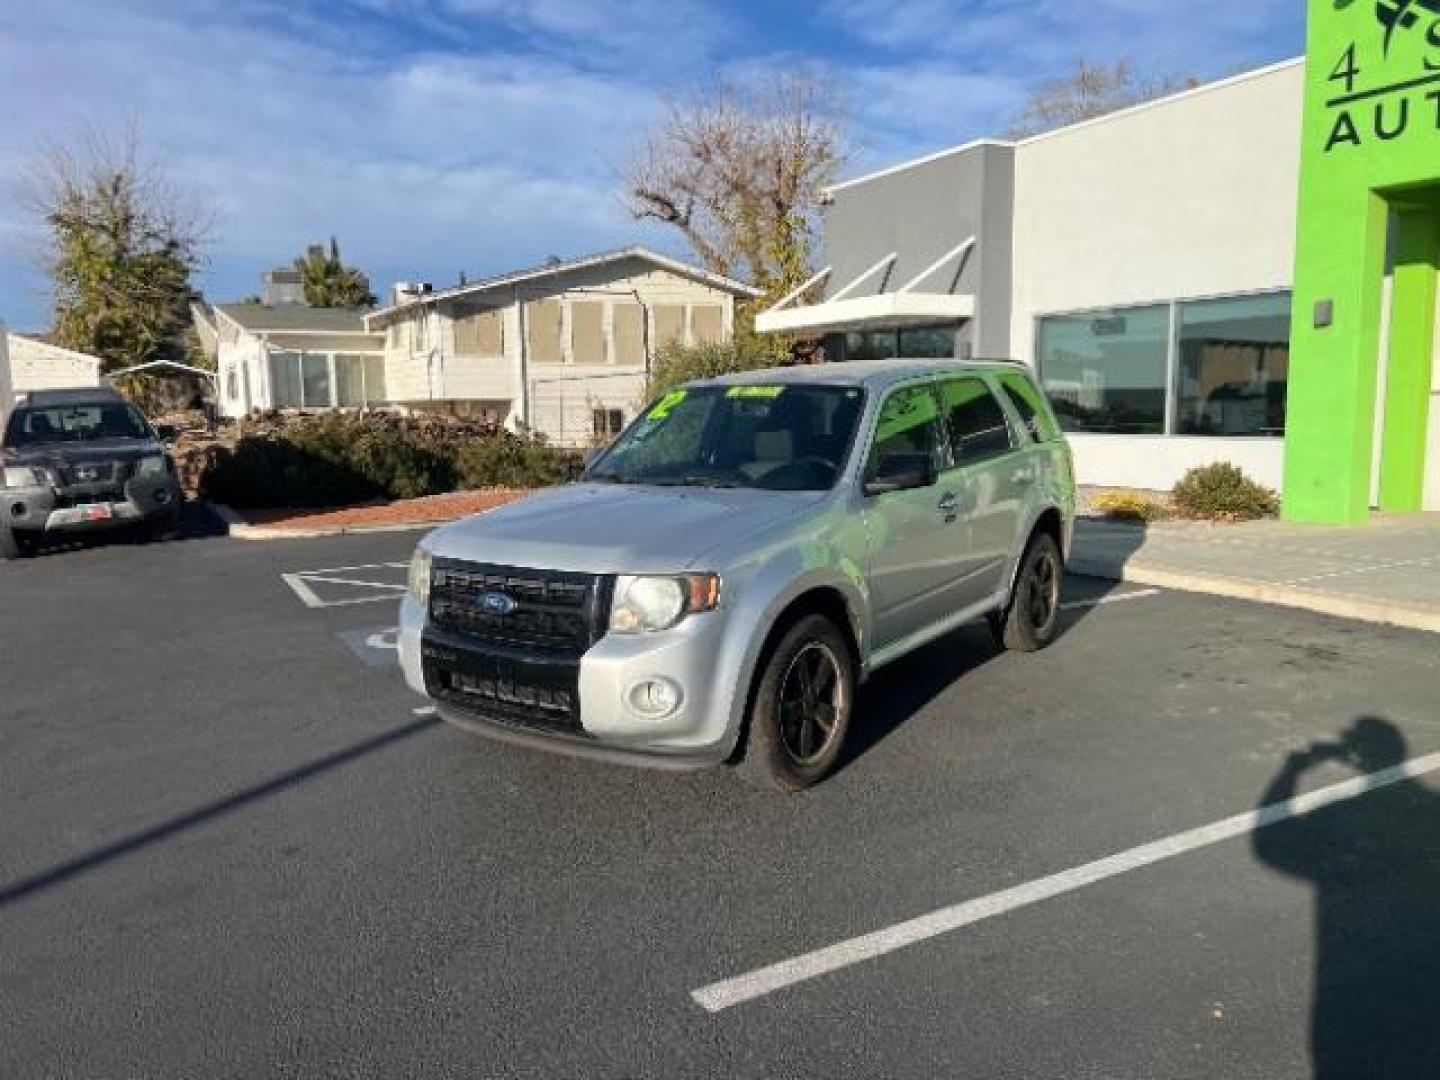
<point>57,455</point>
<point>615,529</point>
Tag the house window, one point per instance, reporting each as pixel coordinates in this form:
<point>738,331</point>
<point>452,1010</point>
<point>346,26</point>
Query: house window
<point>543,325</point>
<point>587,332</point>
<point>669,323</point>
<point>628,334</point>
<point>300,380</point>
<point>1106,371</point>
<point>607,423</point>
<point>707,324</point>
<point>1234,364</point>
<point>480,333</point>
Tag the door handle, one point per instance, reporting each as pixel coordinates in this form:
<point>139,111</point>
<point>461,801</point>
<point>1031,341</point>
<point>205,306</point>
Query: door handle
<point>1023,476</point>
<point>949,505</point>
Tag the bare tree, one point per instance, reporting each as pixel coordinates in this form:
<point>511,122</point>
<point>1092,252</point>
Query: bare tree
<point>1091,90</point>
<point>739,169</point>
<point>119,244</point>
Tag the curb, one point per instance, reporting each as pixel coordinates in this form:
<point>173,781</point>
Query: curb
<point>1344,607</point>
<point>240,529</point>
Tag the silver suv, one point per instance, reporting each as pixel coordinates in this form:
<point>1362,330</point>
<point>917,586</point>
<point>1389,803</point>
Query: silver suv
<point>746,553</point>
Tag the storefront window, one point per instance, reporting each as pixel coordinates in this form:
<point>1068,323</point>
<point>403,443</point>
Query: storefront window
<point>871,345</point>
<point>915,343</point>
<point>1234,364</point>
<point>1106,371</point>
<point>928,343</point>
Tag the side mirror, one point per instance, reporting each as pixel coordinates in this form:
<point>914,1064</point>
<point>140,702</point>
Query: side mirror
<point>901,472</point>
<point>166,433</point>
<point>592,455</point>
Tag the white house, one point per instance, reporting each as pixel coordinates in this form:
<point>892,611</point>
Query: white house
<point>27,364</point>
<point>289,356</point>
<point>562,349</point>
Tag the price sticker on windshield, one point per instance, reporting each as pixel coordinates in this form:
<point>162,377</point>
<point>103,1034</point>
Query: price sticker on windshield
<point>763,393</point>
<point>665,404</point>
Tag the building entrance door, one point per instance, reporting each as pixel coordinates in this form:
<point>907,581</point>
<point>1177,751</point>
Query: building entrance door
<point>1411,436</point>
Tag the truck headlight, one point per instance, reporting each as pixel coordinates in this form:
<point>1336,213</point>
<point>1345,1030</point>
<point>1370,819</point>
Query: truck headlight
<point>155,465</point>
<point>420,576</point>
<point>21,476</point>
<point>645,604</point>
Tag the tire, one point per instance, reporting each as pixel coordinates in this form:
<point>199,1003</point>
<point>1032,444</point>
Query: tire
<point>166,527</point>
<point>786,720</point>
<point>1032,620</point>
<point>14,546</point>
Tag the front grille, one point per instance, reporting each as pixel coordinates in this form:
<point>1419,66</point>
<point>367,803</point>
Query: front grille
<point>94,472</point>
<point>552,613</point>
<point>547,699</point>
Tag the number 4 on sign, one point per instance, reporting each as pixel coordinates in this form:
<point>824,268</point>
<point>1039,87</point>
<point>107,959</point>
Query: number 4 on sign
<point>1346,70</point>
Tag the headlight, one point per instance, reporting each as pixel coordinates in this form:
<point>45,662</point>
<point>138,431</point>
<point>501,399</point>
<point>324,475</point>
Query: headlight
<point>420,576</point>
<point>19,476</point>
<point>152,466</point>
<point>644,604</point>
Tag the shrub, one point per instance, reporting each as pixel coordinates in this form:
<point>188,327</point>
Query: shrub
<point>676,363</point>
<point>513,461</point>
<point>339,459</point>
<point>1126,505</point>
<point>1221,492</point>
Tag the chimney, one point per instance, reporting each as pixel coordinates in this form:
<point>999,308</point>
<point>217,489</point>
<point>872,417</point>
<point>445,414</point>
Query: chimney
<point>282,288</point>
<point>404,291</point>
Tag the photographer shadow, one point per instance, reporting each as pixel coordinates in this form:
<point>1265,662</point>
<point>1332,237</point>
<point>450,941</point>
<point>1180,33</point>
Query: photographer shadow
<point>1374,863</point>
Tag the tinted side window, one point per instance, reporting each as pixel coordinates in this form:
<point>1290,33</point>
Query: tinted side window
<point>1028,403</point>
<point>974,421</point>
<point>908,424</point>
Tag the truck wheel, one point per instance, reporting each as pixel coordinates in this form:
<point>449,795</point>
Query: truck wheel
<point>166,527</point>
<point>13,545</point>
<point>1033,617</point>
<point>801,709</point>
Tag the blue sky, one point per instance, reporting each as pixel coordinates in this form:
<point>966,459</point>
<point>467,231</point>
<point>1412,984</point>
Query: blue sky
<point>435,136</point>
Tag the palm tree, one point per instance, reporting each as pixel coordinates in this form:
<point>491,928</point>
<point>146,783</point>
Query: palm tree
<point>329,283</point>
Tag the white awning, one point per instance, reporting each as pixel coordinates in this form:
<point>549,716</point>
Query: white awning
<point>882,311</point>
<point>885,311</point>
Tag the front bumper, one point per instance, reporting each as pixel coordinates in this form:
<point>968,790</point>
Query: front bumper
<point>601,725</point>
<point>77,509</point>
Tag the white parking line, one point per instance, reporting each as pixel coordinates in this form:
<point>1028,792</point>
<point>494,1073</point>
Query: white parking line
<point>299,582</point>
<point>1114,598</point>
<point>767,980</point>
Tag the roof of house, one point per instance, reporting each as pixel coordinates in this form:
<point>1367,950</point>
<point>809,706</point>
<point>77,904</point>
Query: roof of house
<point>289,318</point>
<point>516,277</point>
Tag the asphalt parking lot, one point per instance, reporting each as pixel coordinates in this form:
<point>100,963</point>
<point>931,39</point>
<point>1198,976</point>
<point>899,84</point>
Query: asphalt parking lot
<point>230,846</point>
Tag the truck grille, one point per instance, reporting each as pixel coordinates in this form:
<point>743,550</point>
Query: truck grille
<point>511,692</point>
<point>95,472</point>
<point>548,612</point>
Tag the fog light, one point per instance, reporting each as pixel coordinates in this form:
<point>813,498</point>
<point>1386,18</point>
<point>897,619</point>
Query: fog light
<point>654,699</point>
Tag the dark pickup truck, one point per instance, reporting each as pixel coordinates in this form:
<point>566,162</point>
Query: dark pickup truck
<point>82,460</point>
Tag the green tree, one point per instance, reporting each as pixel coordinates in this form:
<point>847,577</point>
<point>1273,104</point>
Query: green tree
<point>119,246</point>
<point>329,283</point>
<point>676,363</point>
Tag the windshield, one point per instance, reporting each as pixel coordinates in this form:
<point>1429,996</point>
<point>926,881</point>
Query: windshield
<point>779,438</point>
<point>74,423</point>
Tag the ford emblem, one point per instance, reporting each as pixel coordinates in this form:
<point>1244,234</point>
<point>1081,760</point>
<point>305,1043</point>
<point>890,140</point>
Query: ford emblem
<point>497,603</point>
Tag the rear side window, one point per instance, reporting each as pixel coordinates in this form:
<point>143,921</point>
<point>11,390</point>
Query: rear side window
<point>1030,405</point>
<point>974,421</point>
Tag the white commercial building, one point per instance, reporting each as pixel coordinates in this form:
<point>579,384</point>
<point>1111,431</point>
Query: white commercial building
<point>1141,263</point>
